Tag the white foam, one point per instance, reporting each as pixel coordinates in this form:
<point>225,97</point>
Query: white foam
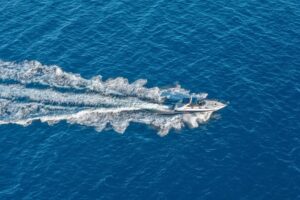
<point>113,103</point>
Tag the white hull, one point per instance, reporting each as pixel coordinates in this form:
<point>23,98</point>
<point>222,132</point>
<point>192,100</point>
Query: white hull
<point>208,106</point>
<point>194,110</point>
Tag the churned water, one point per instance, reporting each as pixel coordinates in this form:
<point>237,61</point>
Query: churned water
<point>75,74</point>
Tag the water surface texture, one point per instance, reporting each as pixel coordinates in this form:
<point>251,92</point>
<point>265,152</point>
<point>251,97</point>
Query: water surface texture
<point>244,52</point>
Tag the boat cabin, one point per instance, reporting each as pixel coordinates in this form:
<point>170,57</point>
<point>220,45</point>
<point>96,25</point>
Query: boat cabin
<point>193,102</point>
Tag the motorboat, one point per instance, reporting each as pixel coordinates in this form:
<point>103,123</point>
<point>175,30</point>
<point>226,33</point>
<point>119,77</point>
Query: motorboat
<point>195,105</point>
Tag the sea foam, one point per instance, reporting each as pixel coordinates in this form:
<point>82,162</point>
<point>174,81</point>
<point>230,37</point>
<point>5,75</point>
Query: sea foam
<point>30,91</point>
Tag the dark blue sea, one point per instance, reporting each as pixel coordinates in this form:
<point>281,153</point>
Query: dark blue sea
<point>57,141</point>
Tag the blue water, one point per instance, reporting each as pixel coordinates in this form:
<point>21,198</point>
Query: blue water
<point>244,52</point>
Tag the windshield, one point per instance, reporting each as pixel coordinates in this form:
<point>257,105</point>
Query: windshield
<point>193,101</point>
<point>201,103</point>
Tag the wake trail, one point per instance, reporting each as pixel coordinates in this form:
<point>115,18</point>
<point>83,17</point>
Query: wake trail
<point>30,91</point>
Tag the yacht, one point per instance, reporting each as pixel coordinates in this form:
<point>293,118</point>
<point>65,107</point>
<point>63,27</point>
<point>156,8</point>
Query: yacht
<point>195,105</point>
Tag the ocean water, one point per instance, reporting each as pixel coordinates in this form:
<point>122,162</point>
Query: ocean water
<point>80,121</point>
